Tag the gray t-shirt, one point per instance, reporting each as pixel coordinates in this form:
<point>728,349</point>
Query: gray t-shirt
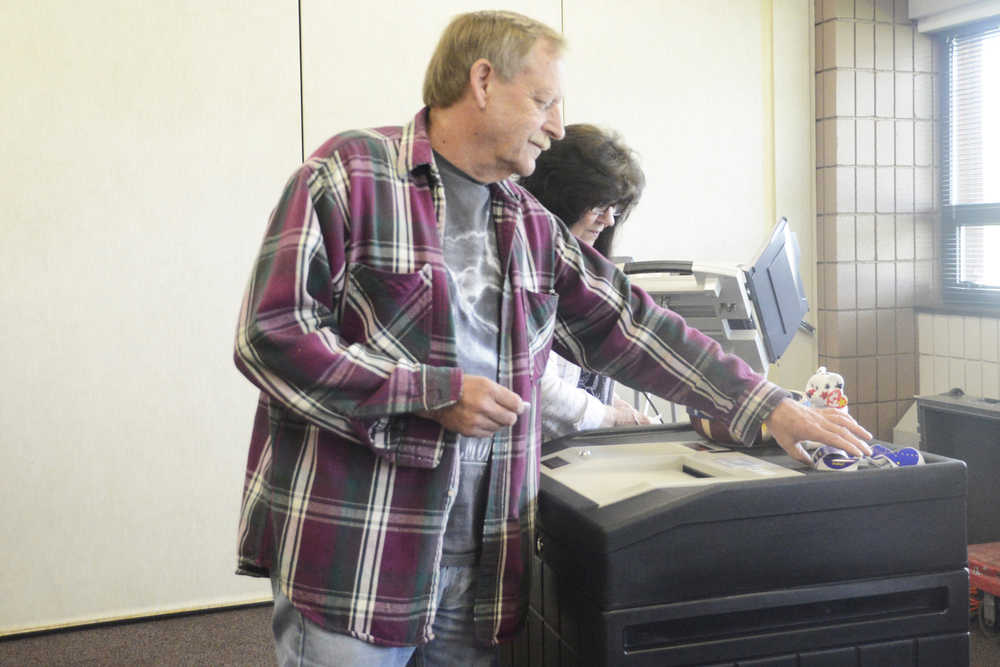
<point>474,284</point>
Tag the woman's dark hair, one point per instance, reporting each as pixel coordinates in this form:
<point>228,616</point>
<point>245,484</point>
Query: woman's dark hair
<point>590,167</point>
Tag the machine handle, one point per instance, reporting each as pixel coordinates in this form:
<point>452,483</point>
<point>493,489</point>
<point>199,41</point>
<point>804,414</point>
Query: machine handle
<point>659,266</point>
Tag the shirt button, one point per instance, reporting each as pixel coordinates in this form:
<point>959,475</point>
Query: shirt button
<point>451,493</point>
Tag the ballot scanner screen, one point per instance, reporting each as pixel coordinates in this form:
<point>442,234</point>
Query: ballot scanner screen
<point>776,289</point>
<point>610,473</point>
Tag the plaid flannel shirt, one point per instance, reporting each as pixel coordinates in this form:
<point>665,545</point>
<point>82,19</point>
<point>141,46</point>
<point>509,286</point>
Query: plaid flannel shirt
<point>347,330</point>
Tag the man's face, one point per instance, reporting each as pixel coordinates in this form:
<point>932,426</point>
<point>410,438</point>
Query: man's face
<point>523,113</point>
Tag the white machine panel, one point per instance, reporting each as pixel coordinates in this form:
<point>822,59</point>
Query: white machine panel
<point>752,311</point>
<point>608,474</point>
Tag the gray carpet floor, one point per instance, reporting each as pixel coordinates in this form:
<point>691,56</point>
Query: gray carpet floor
<point>234,638</point>
<point>239,638</point>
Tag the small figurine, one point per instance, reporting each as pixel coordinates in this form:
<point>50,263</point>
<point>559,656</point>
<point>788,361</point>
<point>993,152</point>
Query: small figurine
<point>831,459</point>
<point>825,389</point>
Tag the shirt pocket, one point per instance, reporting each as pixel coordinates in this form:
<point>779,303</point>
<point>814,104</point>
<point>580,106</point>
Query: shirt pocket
<point>389,312</point>
<point>539,319</point>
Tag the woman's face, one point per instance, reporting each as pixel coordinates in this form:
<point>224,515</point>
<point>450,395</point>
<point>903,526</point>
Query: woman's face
<point>593,221</point>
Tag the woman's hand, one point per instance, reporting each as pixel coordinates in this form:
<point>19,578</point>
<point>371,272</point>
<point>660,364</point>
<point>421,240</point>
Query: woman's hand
<point>623,414</point>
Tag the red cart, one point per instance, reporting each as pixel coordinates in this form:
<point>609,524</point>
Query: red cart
<point>984,576</point>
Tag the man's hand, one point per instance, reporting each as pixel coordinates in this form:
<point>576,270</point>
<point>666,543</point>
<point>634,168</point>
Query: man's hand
<point>483,408</point>
<point>792,422</point>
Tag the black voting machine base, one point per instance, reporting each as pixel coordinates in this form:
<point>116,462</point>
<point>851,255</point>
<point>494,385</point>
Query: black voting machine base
<point>859,568</point>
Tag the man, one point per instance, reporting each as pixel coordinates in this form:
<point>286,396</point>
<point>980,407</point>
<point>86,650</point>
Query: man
<point>397,321</point>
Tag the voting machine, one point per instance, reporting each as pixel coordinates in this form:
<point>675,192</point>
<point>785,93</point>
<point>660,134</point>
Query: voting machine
<point>657,547</point>
<point>711,555</point>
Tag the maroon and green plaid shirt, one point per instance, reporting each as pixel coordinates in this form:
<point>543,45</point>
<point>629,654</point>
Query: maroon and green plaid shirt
<point>347,330</point>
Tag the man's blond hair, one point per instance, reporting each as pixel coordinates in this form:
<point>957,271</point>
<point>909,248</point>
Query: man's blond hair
<point>501,37</point>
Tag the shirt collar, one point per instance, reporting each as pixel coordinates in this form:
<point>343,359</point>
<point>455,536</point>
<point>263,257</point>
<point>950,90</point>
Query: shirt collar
<point>416,145</point>
<point>507,189</point>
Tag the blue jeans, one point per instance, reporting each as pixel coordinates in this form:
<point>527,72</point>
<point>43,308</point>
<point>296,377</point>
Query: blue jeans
<point>301,643</point>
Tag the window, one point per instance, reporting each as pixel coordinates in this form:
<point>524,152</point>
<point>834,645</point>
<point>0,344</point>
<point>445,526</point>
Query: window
<point>970,173</point>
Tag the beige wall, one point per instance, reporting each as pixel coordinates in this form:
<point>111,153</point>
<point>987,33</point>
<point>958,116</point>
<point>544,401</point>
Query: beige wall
<point>144,147</point>
<point>717,99</point>
<point>372,73</point>
<point>687,93</point>
<point>877,199</point>
<point>958,351</point>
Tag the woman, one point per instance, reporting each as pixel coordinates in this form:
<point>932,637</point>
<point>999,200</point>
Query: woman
<point>592,179</point>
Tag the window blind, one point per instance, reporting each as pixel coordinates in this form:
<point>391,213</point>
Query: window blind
<point>970,174</point>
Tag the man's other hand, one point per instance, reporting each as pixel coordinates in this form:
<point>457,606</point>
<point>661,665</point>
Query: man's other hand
<point>483,408</point>
<point>791,423</point>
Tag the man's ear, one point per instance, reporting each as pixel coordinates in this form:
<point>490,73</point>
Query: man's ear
<point>480,77</point>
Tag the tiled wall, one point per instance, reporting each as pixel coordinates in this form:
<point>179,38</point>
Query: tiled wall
<point>876,192</point>
<point>959,351</point>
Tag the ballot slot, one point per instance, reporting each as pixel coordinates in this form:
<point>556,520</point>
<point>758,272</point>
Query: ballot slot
<point>694,472</point>
<point>554,462</point>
